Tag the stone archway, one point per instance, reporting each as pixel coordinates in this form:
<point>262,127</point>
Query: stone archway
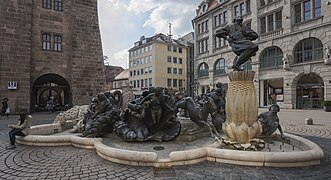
<point>50,87</point>
<point>309,91</point>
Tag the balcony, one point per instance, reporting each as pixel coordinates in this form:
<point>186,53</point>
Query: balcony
<point>271,34</point>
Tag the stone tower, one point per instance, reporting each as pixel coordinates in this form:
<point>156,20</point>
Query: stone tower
<point>52,50</point>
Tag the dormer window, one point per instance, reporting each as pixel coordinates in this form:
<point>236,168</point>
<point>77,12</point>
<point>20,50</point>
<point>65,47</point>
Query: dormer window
<point>204,8</point>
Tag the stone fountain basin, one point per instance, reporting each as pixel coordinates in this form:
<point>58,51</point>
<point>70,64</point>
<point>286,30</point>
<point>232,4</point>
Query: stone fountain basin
<point>174,153</point>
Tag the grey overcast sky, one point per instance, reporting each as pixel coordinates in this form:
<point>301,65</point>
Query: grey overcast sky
<point>123,22</point>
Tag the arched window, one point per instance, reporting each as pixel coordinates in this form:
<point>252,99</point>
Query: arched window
<point>203,70</point>
<point>271,57</point>
<point>247,65</point>
<point>309,49</point>
<point>220,67</point>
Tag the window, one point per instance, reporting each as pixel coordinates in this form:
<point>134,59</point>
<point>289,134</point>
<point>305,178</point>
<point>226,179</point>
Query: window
<point>180,83</point>
<point>46,41</point>
<point>271,57</point>
<point>180,60</point>
<point>236,11</point>
<point>174,49</point>
<point>279,24</point>
<point>180,71</point>
<point>130,73</point>
<point>146,70</point>
<point>174,60</point>
<point>180,50</point>
<point>146,82</point>
<point>220,67</point>
<point>317,8</point>
<point>150,82</point>
<point>307,10</point>
<point>271,22</point>
<point>246,66</point>
<point>169,59</point>
<point>225,17</point>
<point>47,4</point>
<point>142,83</point>
<point>141,71</point>
<point>175,70</point>
<point>203,70</point>
<point>308,50</point>
<point>239,10</point>
<point>57,43</point>
<point>169,70</point>
<point>216,21</point>
<point>58,5</point>
<point>149,69</point>
<point>297,13</point>
<point>203,46</point>
<point>242,9</point>
<point>169,82</point>
<point>203,27</point>
<point>248,6</point>
<point>150,58</point>
<point>263,25</point>
<point>262,2</point>
<point>174,82</point>
<point>218,42</point>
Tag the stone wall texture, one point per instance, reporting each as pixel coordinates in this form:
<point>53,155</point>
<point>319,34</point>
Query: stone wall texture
<point>22,59</point>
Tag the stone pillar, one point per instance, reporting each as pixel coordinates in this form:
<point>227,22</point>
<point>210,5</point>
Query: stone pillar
<point>241,123</point>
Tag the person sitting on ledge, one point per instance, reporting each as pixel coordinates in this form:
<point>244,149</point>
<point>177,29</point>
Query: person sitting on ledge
<point>270,121</point>
<point>21,129</point>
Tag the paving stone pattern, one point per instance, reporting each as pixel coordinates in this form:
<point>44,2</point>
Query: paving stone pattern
<point>67,162</point>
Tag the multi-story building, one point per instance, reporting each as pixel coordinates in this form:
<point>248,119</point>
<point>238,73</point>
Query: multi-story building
<point>50,49</point>
<point>188,41</point>
<point>293,62</point>
<point>157,61</point>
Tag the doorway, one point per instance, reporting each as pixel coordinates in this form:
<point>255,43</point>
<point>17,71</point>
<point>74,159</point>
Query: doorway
<point>51,87</point>
<point>310,92</point>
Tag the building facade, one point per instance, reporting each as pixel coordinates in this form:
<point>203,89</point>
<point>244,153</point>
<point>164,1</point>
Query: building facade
<point>50,49</point>
<point>121,80</point>
<point>157,61</point>
<point>292,65</point>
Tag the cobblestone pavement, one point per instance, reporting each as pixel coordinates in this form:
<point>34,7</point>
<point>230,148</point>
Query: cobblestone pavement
<point>67,162</point>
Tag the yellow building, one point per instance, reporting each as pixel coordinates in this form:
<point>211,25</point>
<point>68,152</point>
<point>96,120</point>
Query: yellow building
<point>157,61</point>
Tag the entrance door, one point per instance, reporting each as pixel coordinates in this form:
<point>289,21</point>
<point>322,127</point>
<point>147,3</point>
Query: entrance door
<point>310,92</point>
<point>51,88</point>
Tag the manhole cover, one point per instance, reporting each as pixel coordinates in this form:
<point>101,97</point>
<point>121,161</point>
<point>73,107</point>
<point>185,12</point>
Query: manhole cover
<point>158,148</point>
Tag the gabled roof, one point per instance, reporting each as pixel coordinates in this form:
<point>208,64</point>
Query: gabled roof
<point>158,37</point>
<point>123,75</point>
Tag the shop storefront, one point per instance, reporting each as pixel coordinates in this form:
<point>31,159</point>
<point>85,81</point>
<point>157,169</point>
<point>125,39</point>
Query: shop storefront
<point>310,92</point>
<point>271,92</point>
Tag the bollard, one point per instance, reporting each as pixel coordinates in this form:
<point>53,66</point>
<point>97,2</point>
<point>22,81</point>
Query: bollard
<point>309,121</point>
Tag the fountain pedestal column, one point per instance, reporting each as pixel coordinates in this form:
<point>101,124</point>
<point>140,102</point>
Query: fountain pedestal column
<point>241,124</point>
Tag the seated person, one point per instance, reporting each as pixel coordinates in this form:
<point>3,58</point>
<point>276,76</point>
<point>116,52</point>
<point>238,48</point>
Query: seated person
<point>270,121</point>
<point>21,129</point>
